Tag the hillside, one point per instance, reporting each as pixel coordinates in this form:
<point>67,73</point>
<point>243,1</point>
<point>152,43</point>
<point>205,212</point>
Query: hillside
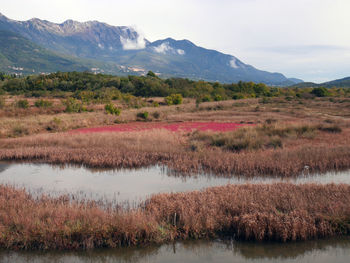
<point>19,55</point>
<point>125,51</point>
<point>338,83</point>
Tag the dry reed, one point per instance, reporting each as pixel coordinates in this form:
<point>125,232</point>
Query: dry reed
<point>279,212</point>
<point>137,149</point>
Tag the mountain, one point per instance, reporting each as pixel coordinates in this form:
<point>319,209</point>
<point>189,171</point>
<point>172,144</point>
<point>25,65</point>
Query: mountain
<point>127,52</point>
<point>19,55</point>
<point>295,80</point>
<point>338,83</point>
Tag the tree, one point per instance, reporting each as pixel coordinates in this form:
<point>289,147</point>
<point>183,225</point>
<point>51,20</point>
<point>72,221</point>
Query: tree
<point>151,74</point>
<point>320,92</point>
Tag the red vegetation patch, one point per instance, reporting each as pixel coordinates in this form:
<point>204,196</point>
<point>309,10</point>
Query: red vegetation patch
<point>181,126</point>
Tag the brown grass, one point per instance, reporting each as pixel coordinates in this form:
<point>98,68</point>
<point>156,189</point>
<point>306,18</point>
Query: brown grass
<point>280,212</point>
<point>324,152</point>
<point>37,120</point>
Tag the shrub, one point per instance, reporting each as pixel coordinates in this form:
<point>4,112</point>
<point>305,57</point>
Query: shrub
<point>155,104</point>
<point>330,128</point>
<point>151,74</point>
<point>43,103</point>
<point>168,100</point>
<point>218,98</point>
<point>54,125</point>
<point>19,131</point>
<point>73,105</point>
<point>174,99</point>
<point>111,109</point>
<point>265,100</point>
<point>238,96</point>
<point>320,92</point>
<point>142,115</point>
<point>270,121</point>
<point>270,135</point>
<point>2,102</point>
<point>206,98</point>
<point>156,114</point>
<point>24,104</point>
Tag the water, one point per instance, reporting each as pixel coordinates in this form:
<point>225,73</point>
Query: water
<point>320,251</point>
<point>127,185</point>
<point>134,185</point>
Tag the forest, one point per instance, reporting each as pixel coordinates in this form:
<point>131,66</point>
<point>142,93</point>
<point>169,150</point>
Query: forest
<point>89,86</point>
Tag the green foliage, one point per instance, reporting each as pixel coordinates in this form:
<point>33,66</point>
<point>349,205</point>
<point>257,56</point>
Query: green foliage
<point>238,96</point>
<point>174,99</point>
<point>265,100</point>
<point>155,104</point>
<point>205,98</point>
<point>142,115</point>
<point>217,98</point>
<point>320,92</point>
<point>43,103</point>
<point>99,88</point>
<point>151,74</point>
<point>86,96</point>
<point>111,109</point>
<point>255,138</point>
<point>17,50</point>
<point>73,106</point>
<point>177,99</point>
<point>168,100</point>
<point>23,104</point>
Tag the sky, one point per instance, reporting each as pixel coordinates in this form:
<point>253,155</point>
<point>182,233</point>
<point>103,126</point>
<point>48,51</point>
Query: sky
<point>307,39</point>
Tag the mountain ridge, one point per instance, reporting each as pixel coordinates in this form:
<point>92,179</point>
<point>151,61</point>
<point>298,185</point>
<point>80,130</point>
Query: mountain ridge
<point>125,47</point>
<point>338,83</point>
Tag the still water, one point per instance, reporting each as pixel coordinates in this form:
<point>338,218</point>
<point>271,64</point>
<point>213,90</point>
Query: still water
<point>320,251</point>
<point>127,185</point>
<point>135,185</point>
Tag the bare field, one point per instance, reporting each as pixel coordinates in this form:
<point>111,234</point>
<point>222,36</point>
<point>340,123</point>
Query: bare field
<point>23,122</point>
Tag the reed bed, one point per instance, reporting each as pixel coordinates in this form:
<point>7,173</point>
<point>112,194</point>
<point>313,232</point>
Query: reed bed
<point>280,212</point>
<point>326,152</point>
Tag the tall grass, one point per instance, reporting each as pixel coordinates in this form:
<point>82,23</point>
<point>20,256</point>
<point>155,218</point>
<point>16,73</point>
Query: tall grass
<point>269,135</point>
<point>137,149</point>
<point>280,212</point>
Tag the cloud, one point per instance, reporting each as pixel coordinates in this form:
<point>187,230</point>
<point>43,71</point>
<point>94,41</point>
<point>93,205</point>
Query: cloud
<point>181,52</point>
<point>165,48</point>
<point>133,44</point>
<point>233,63</point>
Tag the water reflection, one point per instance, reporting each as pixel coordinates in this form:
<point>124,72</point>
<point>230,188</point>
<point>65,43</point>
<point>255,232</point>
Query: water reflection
<point>332,250</point>
<point>3,167</point>
<point>127,186</point>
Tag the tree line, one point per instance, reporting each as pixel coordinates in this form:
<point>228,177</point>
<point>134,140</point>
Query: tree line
<point>89,86</point>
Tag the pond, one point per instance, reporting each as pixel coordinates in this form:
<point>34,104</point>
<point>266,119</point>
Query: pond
<point>127,186</point>
<point>319,251</point>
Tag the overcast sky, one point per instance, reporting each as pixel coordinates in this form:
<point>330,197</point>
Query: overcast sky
<point>307,39</point>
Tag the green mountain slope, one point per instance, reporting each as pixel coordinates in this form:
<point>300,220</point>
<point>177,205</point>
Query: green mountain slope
<point>338,83</point>
<point>19,55</point>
